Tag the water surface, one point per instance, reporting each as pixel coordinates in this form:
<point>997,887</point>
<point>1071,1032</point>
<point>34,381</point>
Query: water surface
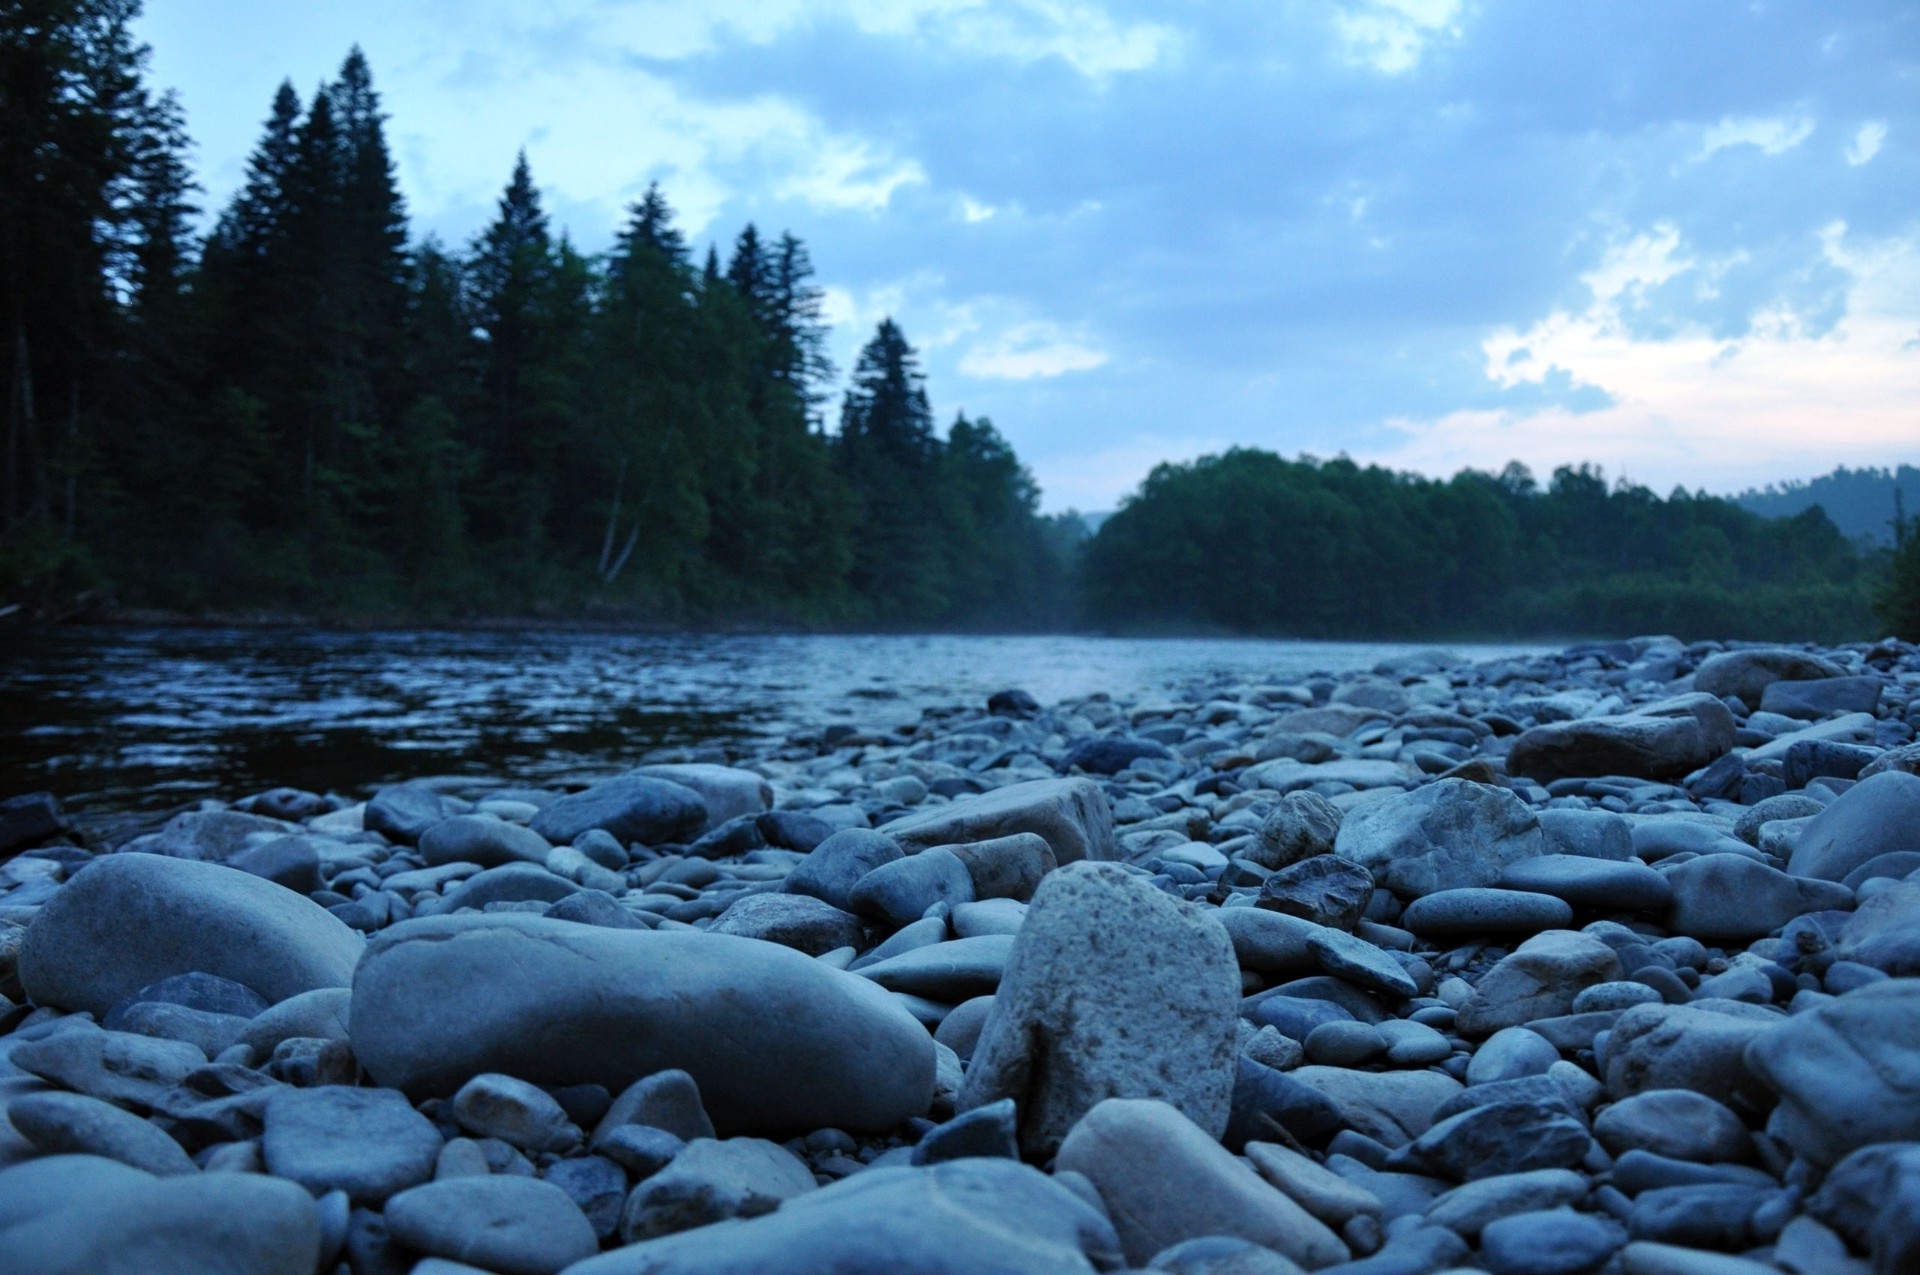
<point>123,719</point>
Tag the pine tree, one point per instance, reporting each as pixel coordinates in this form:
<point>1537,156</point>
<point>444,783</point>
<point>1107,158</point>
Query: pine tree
<point>888,454</point>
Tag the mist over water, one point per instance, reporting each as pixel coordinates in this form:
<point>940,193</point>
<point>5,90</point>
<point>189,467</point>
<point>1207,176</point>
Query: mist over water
<point>147,719</point>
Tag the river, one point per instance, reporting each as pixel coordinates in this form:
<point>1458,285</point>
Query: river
<point>116,720</point>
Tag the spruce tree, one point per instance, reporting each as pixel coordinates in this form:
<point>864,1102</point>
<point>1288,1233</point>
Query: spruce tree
<point>889,455</point>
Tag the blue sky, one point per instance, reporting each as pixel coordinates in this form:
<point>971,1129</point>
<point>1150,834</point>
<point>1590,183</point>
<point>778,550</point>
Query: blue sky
<point>1681,241</point>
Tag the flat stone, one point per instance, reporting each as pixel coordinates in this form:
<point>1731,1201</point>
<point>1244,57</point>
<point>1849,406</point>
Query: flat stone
<point>959,1218</point>
<point>119,1067</point>
<point>1817,698</point>
<point>1130,1149</point>
<point>1446,835</point>
<point>1071,814</point>
<point>215,836</point>
<point>1746,674</point>
<point>900,893</point>
<point>369,1143</point>
<point>1470,911</point>
<point>510,883</point>
<point>1010,867</point>
<point>1728,898</point>
<point>127,921</point>
<point>1503,1138</point>
<point>1311,1185</point>
<point>1267,942</point>
<point>1677,1123</point>
<point>1359,962</point>
<point>1469,1208</point>
<point>483,840</point>
<point>1667,740</point>
<point>1555,1241</point>
<point>403,812</point>
<point>668,1100</point>
<point>1391,1107</point>
<point>631,807</point>
<point>320,1014</point>
<point>1112,989</point>
<point>511,1225</point>
<point>729,792</point>
<point>1595,884</point>
<point>1510,1053</point>
<point>1684,1047</point>
<point>73,1124</point>
<point>1877,816</point>
<point>776,1041</point>
<point>1325,889</point>
<point>987,916</point>
<point>523,1115</point>
<point>798,921</point>
<point>956,970</point>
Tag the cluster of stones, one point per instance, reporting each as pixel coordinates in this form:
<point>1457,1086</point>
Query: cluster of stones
<point>1604,961</point>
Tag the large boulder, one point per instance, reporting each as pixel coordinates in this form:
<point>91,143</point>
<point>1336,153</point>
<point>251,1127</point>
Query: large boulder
<point>1847,1072</point>
<point>1445,836</point>
<point>128,920</point>
<point>962,1217</point>
<point>1114,989</point>
<point>1817,699</point>
<point>1666,740</point>
<point>1879,815</point>
<point>777,1042</point>
<point>1745,675</point>
<point>631,807</point>
<point>1072,814</point>
<point>728,790</point>
<point>1729,898</point>
<point>1164,1180</point>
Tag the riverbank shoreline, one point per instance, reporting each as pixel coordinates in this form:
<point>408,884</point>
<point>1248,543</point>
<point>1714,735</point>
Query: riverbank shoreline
<point>1428,964</point>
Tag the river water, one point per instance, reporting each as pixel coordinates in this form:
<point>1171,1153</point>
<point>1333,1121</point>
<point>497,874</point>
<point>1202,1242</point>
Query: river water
<point>125,720</point>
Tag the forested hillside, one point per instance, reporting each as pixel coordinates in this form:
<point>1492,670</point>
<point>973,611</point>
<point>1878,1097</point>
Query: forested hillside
<point>1863,503</point>
<point>314,412</point>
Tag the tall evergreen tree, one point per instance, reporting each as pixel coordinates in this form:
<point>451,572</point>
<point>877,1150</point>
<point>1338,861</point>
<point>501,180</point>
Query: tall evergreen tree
<point>888,454</point>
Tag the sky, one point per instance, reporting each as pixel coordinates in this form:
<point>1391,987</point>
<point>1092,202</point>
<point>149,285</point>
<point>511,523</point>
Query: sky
<point>1679,241</point>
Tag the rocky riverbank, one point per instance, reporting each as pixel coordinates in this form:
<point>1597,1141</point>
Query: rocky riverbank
<point>1606,961</point>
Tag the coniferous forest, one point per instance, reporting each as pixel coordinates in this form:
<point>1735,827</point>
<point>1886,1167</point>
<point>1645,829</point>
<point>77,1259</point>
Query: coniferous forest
<point>308,410</point>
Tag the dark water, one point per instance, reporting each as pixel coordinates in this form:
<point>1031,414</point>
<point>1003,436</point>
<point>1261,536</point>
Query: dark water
<point>118,719</point>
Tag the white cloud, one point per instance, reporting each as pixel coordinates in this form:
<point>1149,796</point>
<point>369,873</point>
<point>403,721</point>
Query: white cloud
<point>849,173</point>
<point>1774,401</point>
<point>1867,142</point>
<point>1642,262</point>
<point>972,210</point>
<point>1391,35</point>
<point>1029,350</point>
<point>1773,134</point>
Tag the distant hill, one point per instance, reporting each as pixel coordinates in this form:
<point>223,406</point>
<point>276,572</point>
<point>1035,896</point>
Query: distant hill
<point>1860,501</point>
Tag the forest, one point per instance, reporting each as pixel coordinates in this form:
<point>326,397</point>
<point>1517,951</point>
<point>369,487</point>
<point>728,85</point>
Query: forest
<point>308,411</point>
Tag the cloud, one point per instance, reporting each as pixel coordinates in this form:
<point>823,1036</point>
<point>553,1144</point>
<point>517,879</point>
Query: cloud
<point>1779,400</point>
<point>1774,135</point>
<point>1030,350</point>
<point>1391,35</point>
<point>1866,143</point>
<point>843,172</point>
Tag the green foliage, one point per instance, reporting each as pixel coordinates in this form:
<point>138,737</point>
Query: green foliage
<point>1250,542</point>
<point>1898,602</point>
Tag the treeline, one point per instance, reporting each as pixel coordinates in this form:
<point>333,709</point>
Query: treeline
<point>1866,504</point>
<point>312,411</point>
<point>1250,542</point>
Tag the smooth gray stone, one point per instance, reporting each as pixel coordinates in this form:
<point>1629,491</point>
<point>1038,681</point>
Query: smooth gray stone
<point>1539,979</point>
<point>1391,1107</point>
<point>1677,1123</point>
<point>1270,943</point>
<point>1884,932</point>
<point>631,807</point>
<point>1071,814</point>
<point>39,1187</point>
<point>711,1181</point>
<point>953,971</point>
<point>798,921</point>
<point>1550,1242</point>
<point>899,893</point>
<point>984,1131</point>
<point>510,883</point>
<point>369,1143</point>
<point>1879,815</point>
<point>963,1217</point>
<point>1009,867</point>
<point>196,991</point>
<point>67,1123</point>
<point>595,907</point>
<point>1132,1148</point>
<point>1326,889</point>
<point>290,862</point>
<point>1872,1197</point>
<point>1113,987</point>
<point>640,1149</point>
<point>1817,698</point>
<point>729,792</point>
<point>523,1115</point>
<point>596,1184</point>
<point>668,1100</point>
<point>1221,1255</point>
<point>510,1225</point>
<point>1666,740</point>
<point>987,916</point>
<point>1716,1216</point>
<point>1344,1044</point>
<point>838,863</point>
<point>960,1029</point>
<point>1685,1047</point>
<point>1847,1073</point>
<point>1746,674</point>
<point>120,1067</point>
<point>484,840</point>
<point>1727,898</point>
<point>1466,1209</point>
<point>1359,962</point>
<point>1596,884</point>
<point>776,1041</point>
<point>1625,994</point>
<point>1311,1185</point>
<point>1470,912</point>
<point>208,1033</point>
<point>317,1015</point>
<point>1510,1053</point>
<point>198,1225</point>
<point>1588,834</point>
<point>1540,1088</point>
<point>126,921</point>
<point>1446,835</point>
<point>402,812</point>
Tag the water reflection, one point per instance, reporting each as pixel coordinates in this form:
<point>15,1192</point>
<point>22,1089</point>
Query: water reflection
<point>131,719</point>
